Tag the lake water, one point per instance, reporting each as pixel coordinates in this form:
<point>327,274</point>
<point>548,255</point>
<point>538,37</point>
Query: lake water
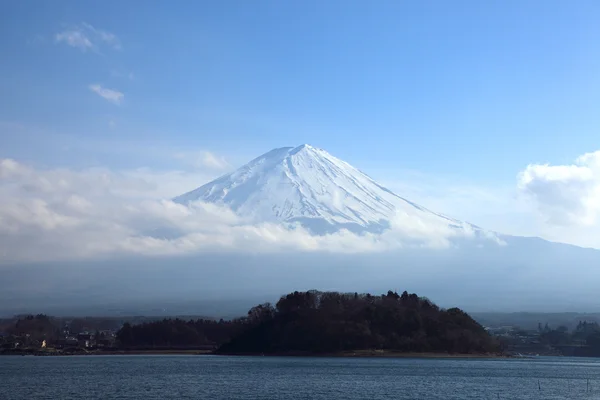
<point>214,377</point>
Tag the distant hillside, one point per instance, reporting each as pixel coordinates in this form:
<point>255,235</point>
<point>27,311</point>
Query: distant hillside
<point>532,320</point>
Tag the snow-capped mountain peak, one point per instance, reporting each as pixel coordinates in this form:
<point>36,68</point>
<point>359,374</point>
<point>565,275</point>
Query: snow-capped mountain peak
<point>308,185</point>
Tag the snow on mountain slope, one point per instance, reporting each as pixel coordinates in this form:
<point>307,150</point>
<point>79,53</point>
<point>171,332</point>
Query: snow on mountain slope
<point>310,186</point>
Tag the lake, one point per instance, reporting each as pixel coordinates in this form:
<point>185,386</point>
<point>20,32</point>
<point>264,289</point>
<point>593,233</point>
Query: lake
<point>219,377</point>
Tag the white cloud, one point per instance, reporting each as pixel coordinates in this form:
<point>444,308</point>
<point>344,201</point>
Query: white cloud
<point>203,159</point>
<point>556,202</point>
<point>496,207</point>
<point>52,214</point>
<point>86,37</point>
<point>565,195</point>
<point>10,168</point>
<point>104,36</point>
<point>75,38</point>
<point>114,96</point>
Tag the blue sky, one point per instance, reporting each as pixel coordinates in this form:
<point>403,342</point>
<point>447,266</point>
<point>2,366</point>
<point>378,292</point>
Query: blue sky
<point>463,95</point>
<point>464,88</point>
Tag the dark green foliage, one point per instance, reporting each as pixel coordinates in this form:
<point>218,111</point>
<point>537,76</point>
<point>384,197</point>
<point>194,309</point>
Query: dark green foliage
<point>555,337</point>
<point>588,332</point>
<point>323,322</point>
<point>585,334</point>
<point>330,322</point>
<point>593,340</point>
<point>177,333</point>
<point>585,329</point>
<point>38,327</point>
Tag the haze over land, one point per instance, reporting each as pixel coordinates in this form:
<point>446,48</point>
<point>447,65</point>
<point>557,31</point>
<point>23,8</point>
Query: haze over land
<point>449,156</point>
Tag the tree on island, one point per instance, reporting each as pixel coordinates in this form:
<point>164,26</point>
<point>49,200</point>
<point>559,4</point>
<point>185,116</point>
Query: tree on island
<point>331,322</point>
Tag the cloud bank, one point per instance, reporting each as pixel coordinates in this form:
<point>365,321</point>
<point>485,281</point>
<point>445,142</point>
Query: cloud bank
<point>565,195</point>
<point>64,214</point>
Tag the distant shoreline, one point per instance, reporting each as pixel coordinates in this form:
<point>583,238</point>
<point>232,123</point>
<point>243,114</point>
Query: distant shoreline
<point>345,354</point>
<point>393,354</point>
<point>373,354</point>
<point>59,353</point>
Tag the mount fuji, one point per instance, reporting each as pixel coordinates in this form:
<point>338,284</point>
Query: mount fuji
<point>308,186</point>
